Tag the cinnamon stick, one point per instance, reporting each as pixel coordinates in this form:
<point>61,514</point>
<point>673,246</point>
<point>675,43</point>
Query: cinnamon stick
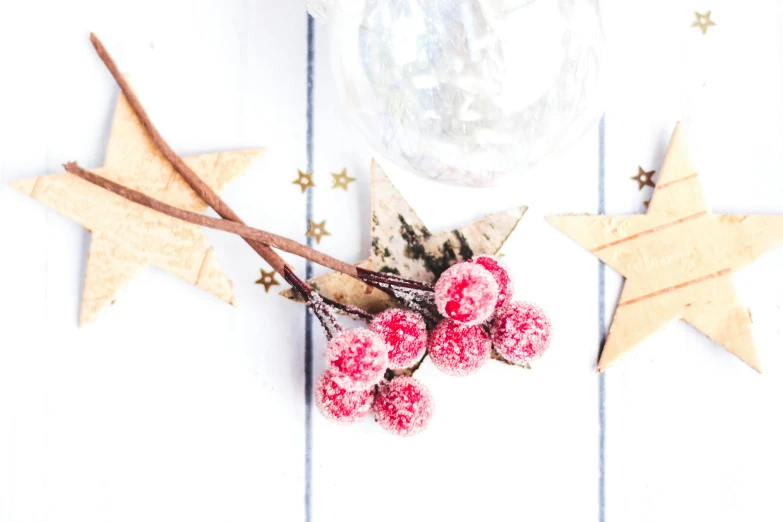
<point>212,199</point>
<point>238,228</point>
<point>204,191</point>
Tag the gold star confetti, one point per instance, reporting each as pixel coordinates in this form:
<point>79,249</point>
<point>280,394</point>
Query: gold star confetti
<point>702,21</point>
<point>647,203</point>
<point>644,178</point>
<point>305,181</point>
<point>341,180</point>
<point>318,230</point>
<point>267,279</point>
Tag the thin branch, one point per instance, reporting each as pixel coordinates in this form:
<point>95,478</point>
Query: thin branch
<point>232,227</point>
<point>349,310</point>
<point>213,200</point>
<point>240,229</point>
<point>204,191</point>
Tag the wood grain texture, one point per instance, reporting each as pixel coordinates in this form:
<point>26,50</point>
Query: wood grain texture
<point>402,245</point>
<point>126,237</point>
<point>678,260</point>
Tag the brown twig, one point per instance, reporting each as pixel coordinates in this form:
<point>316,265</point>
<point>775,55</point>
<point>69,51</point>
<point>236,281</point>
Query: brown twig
<point>206,193</point>
<point>240,229</point>
<point>349,310</point>
<point>233,227</point>
<point>381,278</point>
<point>381,281</point>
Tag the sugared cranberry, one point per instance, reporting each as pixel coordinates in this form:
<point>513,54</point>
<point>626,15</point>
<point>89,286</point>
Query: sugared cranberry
<point>521,332</point>
<point>404,332</point>
<point>403,406</point>
<point>459,349</point>
<point>467,293</point>
<point>338,404</point>
<point>357,358</point>
<point>502,276</point>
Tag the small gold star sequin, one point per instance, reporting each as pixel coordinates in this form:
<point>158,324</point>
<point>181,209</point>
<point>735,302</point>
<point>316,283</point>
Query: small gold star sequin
<point>703,21</point>
<point>644,178</point>
<point>341,180</point>
<point>305,181</point>
<point>647,203</point>
<point>318,230</point>
<point>267,279</point>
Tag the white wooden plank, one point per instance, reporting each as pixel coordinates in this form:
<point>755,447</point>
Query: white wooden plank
<point>172,405</point>
<point>691,431</point>
<point>504,443</point>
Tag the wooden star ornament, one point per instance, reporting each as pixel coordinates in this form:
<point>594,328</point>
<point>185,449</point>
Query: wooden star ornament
<point>402,245</point>
<point>677,260</point>
<point>126,237</point>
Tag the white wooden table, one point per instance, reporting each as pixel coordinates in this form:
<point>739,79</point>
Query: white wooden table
<point>174,406</point>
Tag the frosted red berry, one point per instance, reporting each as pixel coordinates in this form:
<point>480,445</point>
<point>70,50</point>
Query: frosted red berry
<point>403,406</point>
<point>338,404</point>
<point>357,358</point>
<point>521,332</point>
<point>502,276</point>
<point>467,293</point>
<point>459,349</point>
<point>404,332</point>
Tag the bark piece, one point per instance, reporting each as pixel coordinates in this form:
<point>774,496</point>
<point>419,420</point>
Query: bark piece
<point>126,237</point>
<point>677,260</point>
<point>402,245</point>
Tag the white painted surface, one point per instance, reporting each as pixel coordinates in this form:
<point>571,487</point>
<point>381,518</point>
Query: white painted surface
<point>174,406</point>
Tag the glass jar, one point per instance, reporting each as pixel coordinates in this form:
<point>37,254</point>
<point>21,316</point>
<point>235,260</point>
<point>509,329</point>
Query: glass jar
<point>468,91</point>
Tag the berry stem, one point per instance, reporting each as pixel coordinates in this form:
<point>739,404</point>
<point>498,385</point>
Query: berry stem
<point>316,303</point>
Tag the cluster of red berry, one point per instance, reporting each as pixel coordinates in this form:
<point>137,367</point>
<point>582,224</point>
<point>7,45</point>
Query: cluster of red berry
<point>474,300</point>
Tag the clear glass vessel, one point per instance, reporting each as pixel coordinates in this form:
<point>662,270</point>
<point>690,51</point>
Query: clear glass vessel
<point>468,91</point>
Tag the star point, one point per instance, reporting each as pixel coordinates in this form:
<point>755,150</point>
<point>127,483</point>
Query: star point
<point>341,180</point>
<point>678,260</point>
